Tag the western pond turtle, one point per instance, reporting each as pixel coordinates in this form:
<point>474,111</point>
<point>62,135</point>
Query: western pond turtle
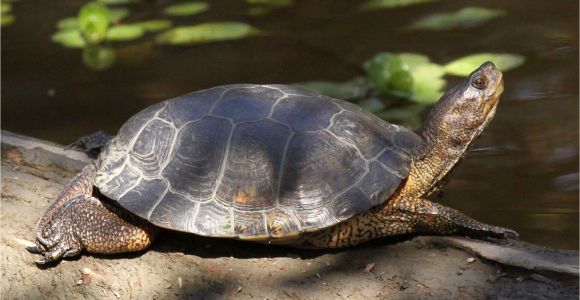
<point>271,163</point>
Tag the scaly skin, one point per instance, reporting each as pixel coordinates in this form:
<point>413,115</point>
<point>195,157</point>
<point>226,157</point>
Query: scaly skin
<point>76,220</point>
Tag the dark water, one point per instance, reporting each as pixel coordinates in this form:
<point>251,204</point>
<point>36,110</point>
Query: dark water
<point>523,174</point>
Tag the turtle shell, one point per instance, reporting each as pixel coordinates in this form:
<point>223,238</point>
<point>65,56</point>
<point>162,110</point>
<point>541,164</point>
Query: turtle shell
<point>253,161</point>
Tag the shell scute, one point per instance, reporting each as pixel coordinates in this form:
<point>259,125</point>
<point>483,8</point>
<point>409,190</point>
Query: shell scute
<point>253,162</point>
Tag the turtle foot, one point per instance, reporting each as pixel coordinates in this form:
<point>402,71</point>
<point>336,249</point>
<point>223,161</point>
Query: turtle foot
<point>504,233</point>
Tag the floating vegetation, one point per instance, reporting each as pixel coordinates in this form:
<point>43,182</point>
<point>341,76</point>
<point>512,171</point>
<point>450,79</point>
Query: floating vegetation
<point>398,86</point>
<point>98,24</point>
<point>69,38</point>
<point>387,4</point>
<point>125,32</point>
<point>206,32</point>
<point>98,57</point>
<point>94,20</point>
<point>465,17</point>
<point>406,75</point>
<point>186,9</point>
<point>465,65</point>
<point>155,25</point>
<point>6,16</point>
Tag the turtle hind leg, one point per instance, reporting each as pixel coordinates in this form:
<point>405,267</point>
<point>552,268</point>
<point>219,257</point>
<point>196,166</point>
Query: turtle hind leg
<point>399,217</point>
<point>87,223</point>
<point>81,184</point>
<point>76,220</point>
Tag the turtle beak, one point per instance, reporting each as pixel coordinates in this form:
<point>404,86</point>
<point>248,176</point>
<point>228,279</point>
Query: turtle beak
<point>494,99</point>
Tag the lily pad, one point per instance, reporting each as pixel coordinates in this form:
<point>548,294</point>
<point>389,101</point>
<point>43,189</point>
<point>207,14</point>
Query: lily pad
<point>70,38</point>
<point>5,8</point>
<point>465,65</point>
<point>186,9</point>
<point>406,75</point>
<point>94,20</point>
<point>125,32</point>
<point>68,23</point>
<point>155,25</point>
<point>466,17</point>
<point>387,4</point>
<point>6,20</point>
<point>428,82</point>
<point>118,14</point>
<point>206,32</point>
<point>98,58</point>
<point>381,70</point>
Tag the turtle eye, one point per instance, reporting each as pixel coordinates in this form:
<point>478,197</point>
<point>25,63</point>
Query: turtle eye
<point>479,82</point>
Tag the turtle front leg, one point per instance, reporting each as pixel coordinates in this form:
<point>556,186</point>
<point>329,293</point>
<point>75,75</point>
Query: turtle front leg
<point>423,216</point>
<point>403,216</point>
<point>77,221</point>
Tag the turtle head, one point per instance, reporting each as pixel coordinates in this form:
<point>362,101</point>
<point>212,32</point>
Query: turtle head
<point>477,97</point>
<point>454,124</point>
<point>463,112</point>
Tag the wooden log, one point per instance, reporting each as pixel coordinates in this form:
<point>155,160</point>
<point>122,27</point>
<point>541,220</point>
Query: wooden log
<point>187,266</point>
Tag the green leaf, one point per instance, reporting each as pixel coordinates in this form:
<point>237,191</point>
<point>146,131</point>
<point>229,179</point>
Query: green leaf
<point>94,20</point>
<point>381,70</point>
<point>98,58</point>
<point>5,8</point>
<point>428,81</point>
<point>117,14</point>
<point>465,65</point>
<point>412,60</point>
<point>466,17</point>
<point>68,23</point>
<point>155,25</point>
<point>206,32</point>
<point>186,9</point>
<point>406,75</point>
<point>387,4</point>
<point>125,32</point>
<point>70,38</point>
<point>6,20</point>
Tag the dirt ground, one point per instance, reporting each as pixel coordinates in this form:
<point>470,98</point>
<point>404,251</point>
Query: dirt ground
<point>182,266</point>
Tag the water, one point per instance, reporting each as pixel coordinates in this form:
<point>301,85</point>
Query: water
<point>523,173</point>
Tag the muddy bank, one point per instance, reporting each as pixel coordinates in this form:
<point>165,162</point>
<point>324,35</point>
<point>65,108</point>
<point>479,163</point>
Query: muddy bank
<point>182,266</point>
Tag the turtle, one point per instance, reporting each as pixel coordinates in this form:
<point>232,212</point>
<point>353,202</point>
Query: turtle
<point>273,164</point>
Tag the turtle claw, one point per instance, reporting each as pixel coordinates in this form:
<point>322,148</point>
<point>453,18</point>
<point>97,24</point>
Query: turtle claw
<point>506,233</point>
<point>36,249</point>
